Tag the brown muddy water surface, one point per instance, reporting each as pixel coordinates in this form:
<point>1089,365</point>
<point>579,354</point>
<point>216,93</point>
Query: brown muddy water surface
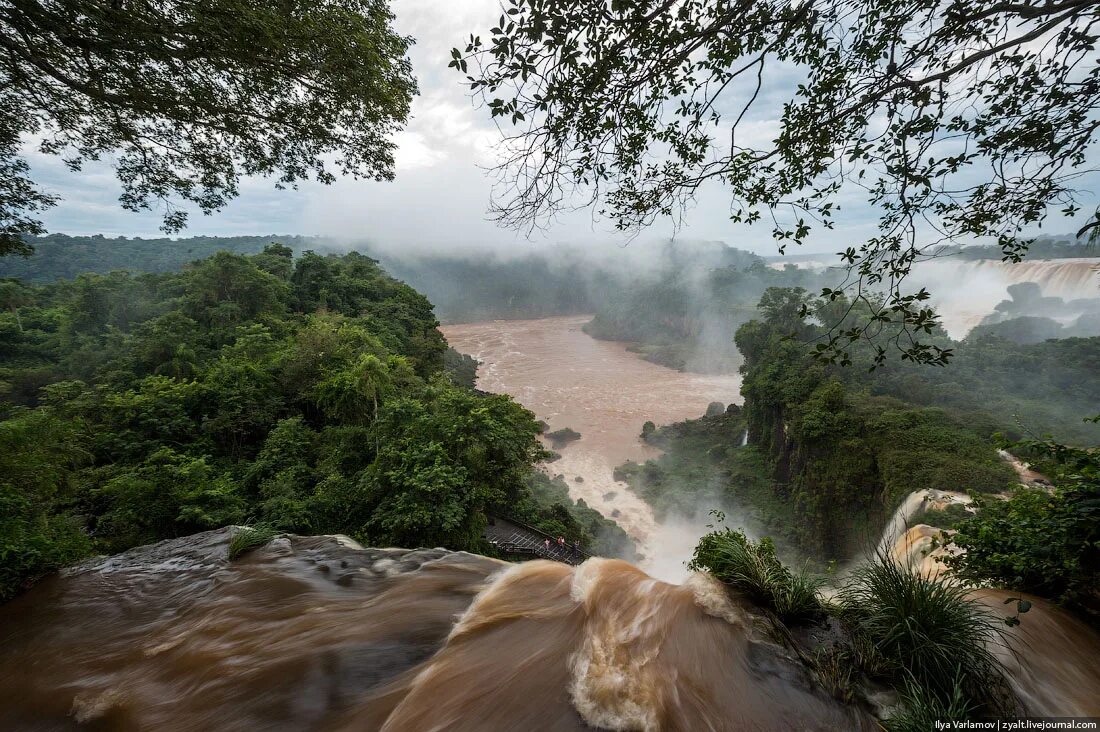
<point>312,633</point>
<point>316,633</point>
<point>606,393</point>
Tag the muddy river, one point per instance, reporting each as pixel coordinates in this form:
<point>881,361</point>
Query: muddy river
<point>606,393</point>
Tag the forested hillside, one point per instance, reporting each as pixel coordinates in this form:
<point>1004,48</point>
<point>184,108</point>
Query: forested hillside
<point>678,301</point>
<point>300,394</point>
<point>833,449</point>
<point>60,256</point>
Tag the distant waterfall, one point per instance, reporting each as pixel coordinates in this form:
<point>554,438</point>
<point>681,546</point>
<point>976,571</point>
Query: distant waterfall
<point>965,291</point>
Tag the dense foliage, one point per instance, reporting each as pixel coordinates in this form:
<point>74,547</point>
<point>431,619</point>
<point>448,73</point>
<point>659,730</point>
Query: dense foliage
<point>941,115</point>
<point>302,394</point>
<point>1046,542</point>
<point>840,453</point>
<point>462,288</point>
<point>187,97</point>
<point>820,495</point>
<point>833,449</point>
<point>1025,389</point>
<point>704,466</point>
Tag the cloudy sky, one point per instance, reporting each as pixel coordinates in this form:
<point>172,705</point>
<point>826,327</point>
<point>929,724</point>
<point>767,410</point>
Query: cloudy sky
<point>441,194</point>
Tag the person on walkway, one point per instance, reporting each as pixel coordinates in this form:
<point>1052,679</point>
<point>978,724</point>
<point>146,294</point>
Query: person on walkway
<point>546,543</point>
<point>561,543</point>
<point>576,548</point>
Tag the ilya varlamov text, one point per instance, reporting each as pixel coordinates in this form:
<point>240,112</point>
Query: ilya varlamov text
<point>1021,723</point>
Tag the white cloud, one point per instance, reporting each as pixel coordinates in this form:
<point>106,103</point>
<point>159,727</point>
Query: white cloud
<point>414,151</point>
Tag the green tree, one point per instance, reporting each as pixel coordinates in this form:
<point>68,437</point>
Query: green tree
<point>443,461</point>
<point>169,494</point>
<point>228,289</point>
<point>276,259</point>
<point>170,403</point>
<point>188,96</point>
<point>352,395</point>
<point>12,297</point>
<point>283,476</point>
<point>945,115</point>
<point>240,386</point>
<point>423,498</point>
<point>460,368</point>
<point>39,453</point>
<point>783,306</point>
<point>131,422</point>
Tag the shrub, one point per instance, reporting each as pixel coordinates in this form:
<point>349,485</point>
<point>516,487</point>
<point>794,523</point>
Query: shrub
<point>38,453</point>
<point>33,544</point>
<point>919,711</point>
<point>753,569</point>
<point>947,517</point>
<point>922,633</point>
<point>249,538</point>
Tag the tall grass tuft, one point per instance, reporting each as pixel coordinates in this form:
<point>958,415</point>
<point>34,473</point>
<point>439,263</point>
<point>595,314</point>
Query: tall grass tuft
<point>927,636</point>
<point>249,538</point>
<point>919,711</point>
<point>753,569</point>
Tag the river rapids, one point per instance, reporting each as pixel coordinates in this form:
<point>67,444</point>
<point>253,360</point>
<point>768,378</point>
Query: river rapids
<point>316,633</point>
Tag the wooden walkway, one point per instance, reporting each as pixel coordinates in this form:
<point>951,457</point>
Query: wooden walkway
<point>514,537</point>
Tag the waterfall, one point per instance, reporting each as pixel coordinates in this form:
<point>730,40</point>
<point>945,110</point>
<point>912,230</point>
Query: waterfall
<point>965,291</point>
<point>307,633</point>
<point>313,633</point>
<point>1028,477</point>
<point>899,522</point>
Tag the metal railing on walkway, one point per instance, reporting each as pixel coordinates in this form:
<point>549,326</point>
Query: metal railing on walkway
<point>515,537</point>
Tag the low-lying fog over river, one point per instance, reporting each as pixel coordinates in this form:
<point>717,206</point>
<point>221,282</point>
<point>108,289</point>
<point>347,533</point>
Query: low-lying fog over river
<point>606,393</point>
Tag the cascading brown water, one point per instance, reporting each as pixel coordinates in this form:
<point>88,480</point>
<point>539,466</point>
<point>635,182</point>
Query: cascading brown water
<point>913,504</point>
<point>1049,658</point>
<point>175,637</point>
<point>309,633</point>
<point>1069,278</point>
